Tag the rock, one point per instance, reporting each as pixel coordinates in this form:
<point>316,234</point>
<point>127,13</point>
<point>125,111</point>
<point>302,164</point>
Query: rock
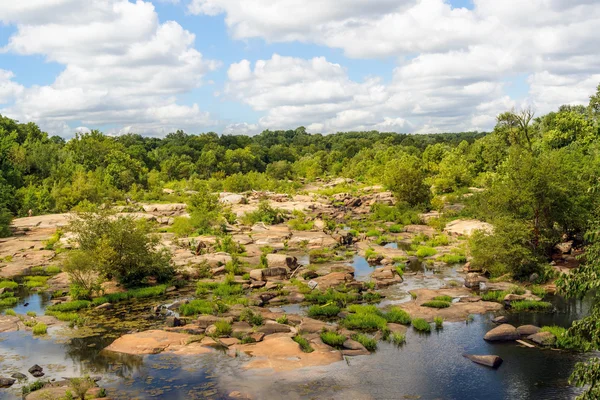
<point>312,284</point>
<point>38,374</point>
<point>528,330</point>
<point>257,284</point>
<point>467,227</point>
<point>105,306</point>
<point>472,280</point>
<point>174,321</point>
<point>19,376</point>
<point>295,297</point>
<point>282,260</point>
<point>6,382</point>
<point>241,327</point>
<point>257,336</point>
<point>564,248</point>
<point>500,320</point>
<point>351,353</point>
<point>204,321</point>
<point>488,361</point>
<point>232,198</point>
<point>35,368</point>
<point>168,191</point>
<point>397,328</point>
<point>502,333</point>
<point>257,275</point>
<point>333,279</point>
<point>482,286</point>
<point>271,328</point>
<point>534,277</point>
<point>310,325</point>
<point>352,345</point>
<point>543,338</point>
<point>386,276</point>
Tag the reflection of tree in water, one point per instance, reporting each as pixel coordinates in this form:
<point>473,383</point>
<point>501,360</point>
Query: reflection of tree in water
<point>93,359</point>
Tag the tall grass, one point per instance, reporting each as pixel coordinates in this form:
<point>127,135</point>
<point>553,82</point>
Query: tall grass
<point>141,293</point>
<point>531,305</point>
<point>70,306</point>
<point>369,343</point>
<point>398,316</point>
<point>304,344</point>
<point>436,304</point>
<point>421,325</point>
<point>328,310</point>
<point>332,339</point>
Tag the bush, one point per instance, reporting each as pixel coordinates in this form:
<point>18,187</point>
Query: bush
<point>398,316</point>
<point>300,222</point>
<point>327,311</point>
<point>436,304</point>
<point>424,251</point>
<point>364,309</point>
<point>8,301</point>
<point>223,328</point>
<point>254,319</point>
<point>265,213</point>
<point>397,338</point>
<point>31,314</point>
<point>182,227</point>
<point>332,339</point>
<point>332,296</point>
<point>304,344</point>
<point>282,320</point>
<point>421,325</point>
<point>10,312</point>
<point>438,240</point>
<point>396,228</point>
<point>8,285</point>
<point>538,291</point>
<point>82,267</point>
<point>369,343</point>
<point>196,307</point>
<point>439,322</point>
<point>494,295</point>
<point>40,329</point>
<point>531,305</point>
<point>566,341</point>
<point>35,281</point>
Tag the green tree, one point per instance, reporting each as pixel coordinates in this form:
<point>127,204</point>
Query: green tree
<point>405,178</point>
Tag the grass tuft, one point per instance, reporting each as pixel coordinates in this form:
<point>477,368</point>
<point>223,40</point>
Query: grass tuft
<point>436,304</point>
<point>421,325</point>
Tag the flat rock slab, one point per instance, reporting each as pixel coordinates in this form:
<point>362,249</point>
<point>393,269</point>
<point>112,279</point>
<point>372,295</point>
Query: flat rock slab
<point>487,360</point>
<point>281,353</point>
<point>154,342</point>
<point>467,227</point>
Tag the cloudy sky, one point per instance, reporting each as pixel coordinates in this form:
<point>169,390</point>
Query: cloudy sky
<point>242,66</point>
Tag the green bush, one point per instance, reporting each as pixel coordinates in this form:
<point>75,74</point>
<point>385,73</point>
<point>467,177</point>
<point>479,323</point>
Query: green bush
<point>140,293</point>
<point>424,251</point>
<point>332,339</point>
<point>35,281</point>
<point>282,320</point>
<point>327,311</point>
<point>332,296</point>
<point>10,312</point>
<point>373,233</point>
<point>421,325</point>
<point>8,285</point>
<point>31,314</point>
<point>494,295</point>
<point>438,240</point>
<point>196,307</point>
<point>254,319</point>
<point>40,329</point>
<point>364,322</point>
<point>538,291</point>
<point>439,322</point>
<point>8,302</point>
<point>566,341</point>
<point>396,228</point>
<point>436,304</point>
<point>452,258</point>
<point>369,343</point>
<point>364,309</point>
<point>304,344</point>
<point>265,213</point>
<point>223,328</point>
<point>182,227</point>
<point>398,316</point>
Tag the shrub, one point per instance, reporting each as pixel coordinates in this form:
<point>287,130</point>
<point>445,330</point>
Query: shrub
<point>396,228</point>
<point>566,341</point>
<point>398,316</point>
<point>300,223</point>
<point>516,289</point>
<point>32,387</point>
<point>82,267</point>
<point>304,344</point>
<point>332,296</point>
<point>182,227</point>
<point>8,301</point>
<point>40,329</point>
<point>53,270</point>
<point>10,312</point>
<point>424,251</point>
<point>373,233</point>
<point>439,322</point>
<point>265,213</point>
<point>364,322</point>
<point>531,305</point>
<point>438,240</point>
<point>436,304</point>
<point>538,291</point>
<point>494,295</point>
<point>397,338</point>
<point>421,325</point>
<point>8,285</point>
<point>318,256</point>
<point>282,320</point>
<point>223,328</point>
<point>332,339</point>
<point>327,311</point>
<point>452,258</point>
<point>251,317</point>
<point>369,343</point>
<point>31,314</point>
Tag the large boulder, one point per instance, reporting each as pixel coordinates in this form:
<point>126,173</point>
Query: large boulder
<point>488,361</point>
<point>333,279</point>
<point>543,338</point>
<point>386,276</point>
<point>269,274</point>
<point>502,333</point>
<point>6,382</point>
<point>472,280</point>
<point>271,328</point>
<point>282,260</point>
<point>232,198</point>
<point>528,330</point>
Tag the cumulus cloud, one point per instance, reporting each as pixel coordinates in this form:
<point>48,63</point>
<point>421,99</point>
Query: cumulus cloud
<point>9,89</point>
<point>122,66</point>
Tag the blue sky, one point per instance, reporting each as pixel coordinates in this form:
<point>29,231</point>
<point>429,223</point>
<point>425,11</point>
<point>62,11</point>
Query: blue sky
<point>395,65</point>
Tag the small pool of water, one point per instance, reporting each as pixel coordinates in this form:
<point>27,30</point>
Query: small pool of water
<point>36,302</point>
<point>362,269</point>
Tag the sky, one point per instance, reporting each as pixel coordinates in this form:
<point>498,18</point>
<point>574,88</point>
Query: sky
<point>243,66</point>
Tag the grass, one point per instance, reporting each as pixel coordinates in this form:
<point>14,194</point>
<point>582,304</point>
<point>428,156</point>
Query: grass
<point>35,281</point>
<point>531,305</point>
<point>421,325</point>
<point>223,328</point>
<point>364,309</point>
<point>70,306</point>
<point>32,387</point>
<point>327,311</point>
<point>10,312</point>
<point>538,291</point>
<point>8,285</point>
<point>396,228</point>
<point>31,314</point>
<point>52,270</point>
<point>332,296</point>
<point>444,298</point>
<point>397,316</point>
<point>282,320</point>
<point>373,233</point>
<point>425,251</point>
<point>370,253</point>
<point>516,290</point>
<point>304,344</point>
<point>439,322</point>
<point>365,322</point>
<point>140,293</point>
<point>8,301</point>
<point>566,341</point>
<point>196,307</point>
<point>333,339</point>
<point>452,258</point>
<point>251,317</point>
<point>397,338</point>
<point>494,295</point>
<point>436,304</point>
<point>40,329</point>
<point>369,343</point>
<point>438,240</point>
<point>63,316</point>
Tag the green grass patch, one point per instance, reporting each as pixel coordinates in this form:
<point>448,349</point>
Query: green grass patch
<point>40,329</point>
<point>140,293</point>
<point>438,240</point>
<point>444,298</point>
<point>326,311</point>
<point>369,343</point>
<point>397,338</point>
<point>31,314</point>
<point>421,325</point>
<point>436,304</point>
<point>565,341</point>
<point>452,258</point>
<point>364,309</point>
<point>69,306</point>
<point>494,295</point>
<point>365,322</point>
<point>304,344</point>
<point>531,305</point>
<point>63,316</point>
<point>397,316</point>
<point>254,319</point>
<point>373,233</point>
<point>538,291</point>
<point>10,312</point>
<point>516,290</point>
<point>8,285</point>
<point>196,307</point>
<point>425,251</point>
<point>223,328</point>
<point>396,228</point>
<point>439,322</point>
<point>8,302</point>
<point>35,281</point>
<point>332,296</point>
<point>333,339</point>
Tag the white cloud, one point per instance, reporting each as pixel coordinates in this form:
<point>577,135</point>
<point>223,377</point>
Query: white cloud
<point>122,66</point>
<point>9,89</point>
<point>242,129</point>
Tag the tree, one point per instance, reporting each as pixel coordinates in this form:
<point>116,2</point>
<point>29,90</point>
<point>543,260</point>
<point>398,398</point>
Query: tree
<point>515,124</point>
<point>405,178</point>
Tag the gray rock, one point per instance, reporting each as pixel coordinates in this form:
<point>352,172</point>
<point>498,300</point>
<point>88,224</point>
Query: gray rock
<point>269,329</point>
<point>35,368</point>
<point>19,376</point>
<point>543,338</point>
<point>105,306</point>
<point>502,333</point>
<point>528,330</point>
<point>312,284</point>
<point>353,345</point>
<point>488,361</point>
<point>6,382</point>
<point>174,321</point>
<point>500,320</point>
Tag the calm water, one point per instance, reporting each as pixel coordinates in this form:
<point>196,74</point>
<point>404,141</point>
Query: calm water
<point>428,366</point>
